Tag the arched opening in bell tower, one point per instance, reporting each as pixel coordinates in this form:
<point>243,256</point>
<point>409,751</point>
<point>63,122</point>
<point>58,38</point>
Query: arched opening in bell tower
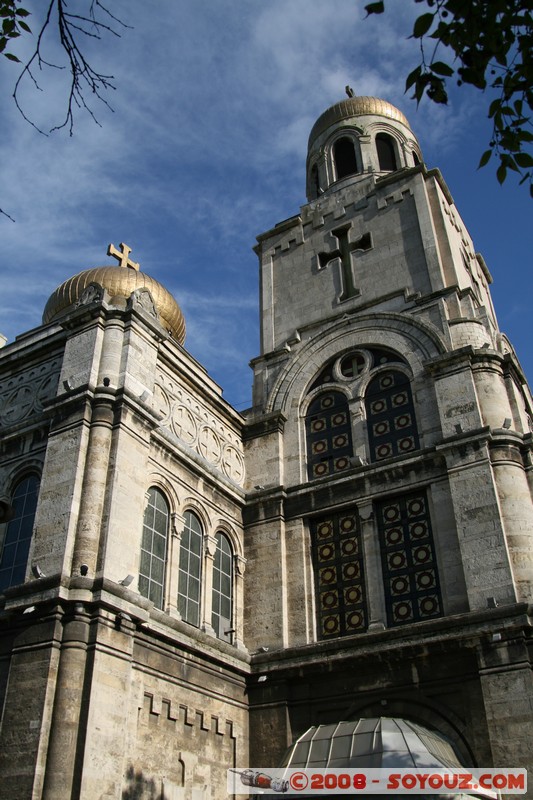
<point>386,152</point>
<point>344,158</point>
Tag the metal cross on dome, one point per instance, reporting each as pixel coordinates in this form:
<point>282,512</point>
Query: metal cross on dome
<point>122,256</point>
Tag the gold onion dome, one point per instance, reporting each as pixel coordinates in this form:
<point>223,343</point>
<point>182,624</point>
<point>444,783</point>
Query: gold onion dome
<point>118,281</point>
<point>355,107</point>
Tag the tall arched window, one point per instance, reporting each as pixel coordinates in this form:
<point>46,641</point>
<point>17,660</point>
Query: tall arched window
<point>386,152</point>
<point>190,570</point>
<point>344,157</point>
<point>390,416</point>
<point>16,546</point>
<point>154,548</point>
<point>329,436</point>
<point>222,605</point>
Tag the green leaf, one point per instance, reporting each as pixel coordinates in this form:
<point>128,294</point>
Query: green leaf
<point>24,26</point>
<point>21,12</point>
<point>501,174</point>
<point>375,8</point>
<point>412,77</point>
<point>494,106</point>
<point>485,158</point>
<point>12,57</point>
<point>422,25</point>
<point>524,160</point>
<point>441,68</point>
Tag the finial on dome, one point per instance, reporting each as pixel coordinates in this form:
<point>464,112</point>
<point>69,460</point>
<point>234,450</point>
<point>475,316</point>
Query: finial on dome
<point>122,256</point>
<point>349,91</point>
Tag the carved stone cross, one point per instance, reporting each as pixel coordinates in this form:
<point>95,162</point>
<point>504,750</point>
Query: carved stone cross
<point>122,256</point>
<point>344,253</point>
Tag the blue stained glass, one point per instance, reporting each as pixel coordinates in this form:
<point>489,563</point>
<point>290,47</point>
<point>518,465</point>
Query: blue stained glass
<point>222,596</point>
<point>154,547</point>
<point>19,532</point>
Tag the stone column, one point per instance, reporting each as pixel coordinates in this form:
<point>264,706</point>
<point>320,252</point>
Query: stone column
<point>210,545</point>
<point>27,711</point>
<point>111,355</point>
<point>70,706</point>
<point>506,676</point>
<point>95,482</point>
<point>491,390</point>
<point>177,521</point>
<point>239,565</point>
<point>104,757</point>
<point>483,548</point>
<point>377,613</point>
<point>516,506</point>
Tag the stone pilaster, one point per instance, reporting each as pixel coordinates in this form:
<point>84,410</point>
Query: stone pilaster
<point>70,707</point>
<point>506,677</point>
<point>95,483</point>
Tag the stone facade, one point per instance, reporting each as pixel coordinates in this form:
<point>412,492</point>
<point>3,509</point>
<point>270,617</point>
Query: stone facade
<point>363,533</point>
<point>106,694</point>
<point>376,281</point>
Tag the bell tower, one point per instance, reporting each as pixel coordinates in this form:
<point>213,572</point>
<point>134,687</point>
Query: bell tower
<point>389,455</point>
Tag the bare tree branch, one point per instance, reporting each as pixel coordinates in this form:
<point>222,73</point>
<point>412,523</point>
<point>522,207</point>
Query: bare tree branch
<point>84,80</point>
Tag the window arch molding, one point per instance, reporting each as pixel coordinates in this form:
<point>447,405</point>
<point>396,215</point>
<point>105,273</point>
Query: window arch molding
<point>159,481</point>
<point>369,376</point>
<point>364,367</point>
<point>390,413</point>
<point>190,504</point>
<point>387,330</point>
<point>223,526</point>
<point>402,145</point>
<point>334,386</point>
<point>31,466</point>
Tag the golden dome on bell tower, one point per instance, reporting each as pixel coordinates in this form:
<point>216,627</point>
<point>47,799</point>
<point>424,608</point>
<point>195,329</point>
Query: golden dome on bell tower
<point>119,281</point>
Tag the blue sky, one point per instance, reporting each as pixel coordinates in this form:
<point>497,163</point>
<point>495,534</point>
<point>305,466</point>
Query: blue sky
<point>205,149</point>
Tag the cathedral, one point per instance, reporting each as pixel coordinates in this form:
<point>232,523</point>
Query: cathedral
<point>187,589</point>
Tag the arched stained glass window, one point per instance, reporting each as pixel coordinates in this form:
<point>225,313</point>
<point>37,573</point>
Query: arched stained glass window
<point>222,605</point>
<point>386,152</point>
<point>190,570</point>
<point>344,157</point>
<point>339,575</point>
<point>16,545</point>
<point>390,416</point>
<point>154,548</point>
<point>329,436</point>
